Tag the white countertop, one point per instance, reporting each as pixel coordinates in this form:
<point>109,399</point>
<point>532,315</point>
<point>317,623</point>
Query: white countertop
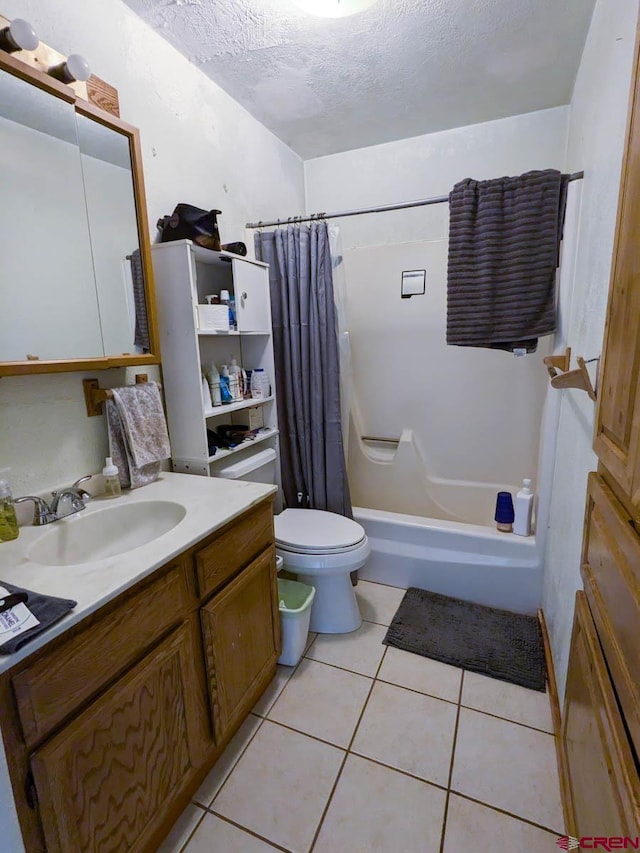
<point>209,502</point>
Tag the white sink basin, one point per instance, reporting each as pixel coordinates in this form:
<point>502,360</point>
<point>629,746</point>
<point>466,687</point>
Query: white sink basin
<point>101,533</point>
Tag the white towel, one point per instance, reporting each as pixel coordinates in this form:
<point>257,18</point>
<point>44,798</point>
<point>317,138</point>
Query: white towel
<point>138,438</point>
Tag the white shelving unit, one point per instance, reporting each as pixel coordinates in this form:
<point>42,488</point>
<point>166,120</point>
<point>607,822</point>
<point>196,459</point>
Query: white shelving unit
<point>184,274</point>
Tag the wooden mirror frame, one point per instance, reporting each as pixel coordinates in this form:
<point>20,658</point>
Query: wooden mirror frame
<point>60,90</point>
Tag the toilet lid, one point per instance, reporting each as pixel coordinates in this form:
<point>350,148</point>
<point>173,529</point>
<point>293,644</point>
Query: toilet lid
<point>305,530</point>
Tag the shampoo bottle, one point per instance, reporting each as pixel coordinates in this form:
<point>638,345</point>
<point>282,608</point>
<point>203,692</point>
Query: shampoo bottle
<point>235,377</point>
<point>111,479</point>
<point>8,522</point>
<point>523,510</point>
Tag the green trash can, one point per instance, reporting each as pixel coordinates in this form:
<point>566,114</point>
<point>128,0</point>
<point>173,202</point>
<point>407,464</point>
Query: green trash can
<point>295,614</point>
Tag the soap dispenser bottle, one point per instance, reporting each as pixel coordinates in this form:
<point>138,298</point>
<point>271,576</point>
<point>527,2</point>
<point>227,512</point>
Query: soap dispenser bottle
<point>8,522</point>
<point>523,510</point>
<point>112,487</point>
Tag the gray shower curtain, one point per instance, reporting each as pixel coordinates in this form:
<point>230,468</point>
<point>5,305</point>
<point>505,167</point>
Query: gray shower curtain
<point>307,366</point>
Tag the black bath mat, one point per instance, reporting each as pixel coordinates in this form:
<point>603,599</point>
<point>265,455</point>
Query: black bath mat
<point>493,642</point>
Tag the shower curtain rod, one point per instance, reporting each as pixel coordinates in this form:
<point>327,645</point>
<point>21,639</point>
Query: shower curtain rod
<point>421,202</point>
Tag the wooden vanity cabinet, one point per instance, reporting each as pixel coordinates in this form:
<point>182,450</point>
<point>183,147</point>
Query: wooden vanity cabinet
<point>110,729</point>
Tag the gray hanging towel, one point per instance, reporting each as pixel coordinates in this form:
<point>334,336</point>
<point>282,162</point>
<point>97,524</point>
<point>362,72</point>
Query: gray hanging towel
<point>141,335</point>
<point>504,241</point>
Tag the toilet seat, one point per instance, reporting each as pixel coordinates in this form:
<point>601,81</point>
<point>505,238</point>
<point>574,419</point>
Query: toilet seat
<point>313,531</point>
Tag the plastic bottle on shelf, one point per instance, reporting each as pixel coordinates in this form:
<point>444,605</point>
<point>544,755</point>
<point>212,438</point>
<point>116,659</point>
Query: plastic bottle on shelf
<point>258,381</point>
<point>207,402</point>
<point>213,377</point>
<point>8,522</point>
<point>112,487</point>
<point>225,385</point>
<point>235,380</point>
<point>523,509</point>
<point>225,299</point>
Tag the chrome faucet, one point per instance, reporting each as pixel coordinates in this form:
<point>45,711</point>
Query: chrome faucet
<point>65,502</point>
<point>71,500</point>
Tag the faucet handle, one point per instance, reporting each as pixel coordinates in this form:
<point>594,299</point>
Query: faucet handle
<point>86,496</point>
<point>42,513</point>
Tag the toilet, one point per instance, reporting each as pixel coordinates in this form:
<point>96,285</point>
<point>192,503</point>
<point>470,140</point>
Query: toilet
<point>321,548</point>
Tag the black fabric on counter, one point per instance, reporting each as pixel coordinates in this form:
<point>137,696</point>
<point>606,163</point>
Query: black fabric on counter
<point>47,608</point>
<point>504,241</point>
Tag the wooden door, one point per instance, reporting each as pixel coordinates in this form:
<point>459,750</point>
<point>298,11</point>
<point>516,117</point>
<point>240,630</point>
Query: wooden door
<point>617,434</point>
<point>241,629</point>
<point>105,781</point>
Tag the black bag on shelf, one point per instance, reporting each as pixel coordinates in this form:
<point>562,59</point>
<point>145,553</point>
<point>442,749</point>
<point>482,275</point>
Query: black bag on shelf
<point>191,223</point>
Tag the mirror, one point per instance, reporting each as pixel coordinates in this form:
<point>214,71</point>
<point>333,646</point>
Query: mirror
<point>75,273</point>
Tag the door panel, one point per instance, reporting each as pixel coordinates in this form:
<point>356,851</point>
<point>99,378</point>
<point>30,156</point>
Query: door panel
<point>251,288</point>
<point>603,781</point>
<point>241,639</point>
<point>104,781</point>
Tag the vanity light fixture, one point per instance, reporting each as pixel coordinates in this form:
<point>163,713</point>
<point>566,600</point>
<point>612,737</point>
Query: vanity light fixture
<point>334,8</point>
<point>19,35</point>
<point>75,68</point>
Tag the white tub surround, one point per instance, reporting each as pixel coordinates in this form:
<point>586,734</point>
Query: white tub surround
<point>465,561</point>
<point>209,503</point>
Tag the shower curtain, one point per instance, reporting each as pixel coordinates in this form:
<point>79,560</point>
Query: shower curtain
<point>307,366</point>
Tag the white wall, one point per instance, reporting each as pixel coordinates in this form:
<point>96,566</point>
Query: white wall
<point>597,123</point>
<point>475,413</point>
<point>198,146</point>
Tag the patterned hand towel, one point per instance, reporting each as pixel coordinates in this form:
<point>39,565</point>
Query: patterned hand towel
<point>138,438</point>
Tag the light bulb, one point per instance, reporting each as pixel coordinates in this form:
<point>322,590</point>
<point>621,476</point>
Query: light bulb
<point>19,35</point>
<point>77,67</point>
<point>334,8</point>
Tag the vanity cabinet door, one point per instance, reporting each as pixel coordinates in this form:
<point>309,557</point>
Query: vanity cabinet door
<point>241,630</point>
<point>107,780</point>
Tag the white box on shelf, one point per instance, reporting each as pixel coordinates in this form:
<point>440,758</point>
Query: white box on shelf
<point>256,418</point>
<point>213,318</point>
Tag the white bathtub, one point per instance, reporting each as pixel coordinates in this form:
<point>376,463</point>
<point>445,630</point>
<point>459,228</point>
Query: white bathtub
<point>461,560</point>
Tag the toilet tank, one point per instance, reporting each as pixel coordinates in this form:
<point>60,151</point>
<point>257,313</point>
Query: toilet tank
<point>258,467</point>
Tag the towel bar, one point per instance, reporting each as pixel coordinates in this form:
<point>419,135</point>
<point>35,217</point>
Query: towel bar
<point>578,378</point>
<point>94,396</point>
<point>375,438</point>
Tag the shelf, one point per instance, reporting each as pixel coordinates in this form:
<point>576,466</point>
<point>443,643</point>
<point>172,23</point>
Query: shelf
<point>223,453</point>
<point>235,407</point>
<point>229,334</point>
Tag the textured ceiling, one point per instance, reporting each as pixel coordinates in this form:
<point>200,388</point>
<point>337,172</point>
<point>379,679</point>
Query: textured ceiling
<point>399,69</point>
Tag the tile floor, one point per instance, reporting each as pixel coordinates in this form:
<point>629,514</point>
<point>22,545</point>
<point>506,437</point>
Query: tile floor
<point>367,748</point>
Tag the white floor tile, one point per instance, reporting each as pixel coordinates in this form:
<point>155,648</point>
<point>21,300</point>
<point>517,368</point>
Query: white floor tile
<point>182,829</point>
<point>378,603</point>
<point>280,786</point>
<point>507,700</point>
<point>322,701</point>
<point>474,827</point>
<point>378,810</point>
<point>223,766</point>
<point>409,731</point>
<point>508,766</point>
<point>215,835</point>
<point>275,688</point>
<point>419,673</point>
<point>360,651</point>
